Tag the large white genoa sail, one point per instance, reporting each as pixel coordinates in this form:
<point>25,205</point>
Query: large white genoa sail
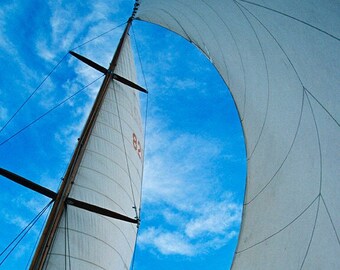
<point>109,176</point>
<point>281,62</point>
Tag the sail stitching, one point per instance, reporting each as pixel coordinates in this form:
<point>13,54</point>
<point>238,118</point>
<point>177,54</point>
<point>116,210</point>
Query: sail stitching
<point>94,237</point>
<point>320,183</point>
<point>126,158</point>
<point>145,114</point>
<point>291,17</point>
<point>109,179</point>
<point>111,223</point>
<point>104,195</point>
<point>144,140</point>
<point>312,234</point>
<point>280,230</point>
<point>81,259</point>
<point>330,218</point>
<point>284,160</point>
<point>323,107</point>
<point>267,76</point>
<point>302,101</point>
<point>94,152</point>
<point>239,55</point>
<point>206,52</point>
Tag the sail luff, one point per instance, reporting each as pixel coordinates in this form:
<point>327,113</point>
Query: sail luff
<point>60,202</point>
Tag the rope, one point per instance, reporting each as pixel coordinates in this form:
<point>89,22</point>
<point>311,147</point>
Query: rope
<point>146,108</point>
<point>49,74</point>
<point>67,241</point>
<point>35,90</point>
<point>102,34</point>
<point>49,111</point>
<point>125,152</point>
<point>145,127</point>
<point>36,243</point>
<point>23,233</point>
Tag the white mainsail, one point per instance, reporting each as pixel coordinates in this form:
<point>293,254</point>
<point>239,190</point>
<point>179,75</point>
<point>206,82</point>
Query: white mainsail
<point>109,176</point>
<point>281,62</point>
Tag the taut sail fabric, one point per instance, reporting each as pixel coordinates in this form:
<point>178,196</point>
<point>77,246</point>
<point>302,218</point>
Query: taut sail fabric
<point>109,176</point>
<point>281,62</point>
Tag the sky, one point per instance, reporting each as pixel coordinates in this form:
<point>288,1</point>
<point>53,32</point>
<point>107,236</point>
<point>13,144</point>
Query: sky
<point>194,175</point>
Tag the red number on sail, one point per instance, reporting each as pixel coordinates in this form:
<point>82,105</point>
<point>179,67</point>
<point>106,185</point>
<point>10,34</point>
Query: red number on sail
<point>134,141</point>
<point>139,150</point>
<point>137,145</point>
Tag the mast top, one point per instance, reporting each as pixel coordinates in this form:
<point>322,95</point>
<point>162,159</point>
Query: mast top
<point>135,9</point>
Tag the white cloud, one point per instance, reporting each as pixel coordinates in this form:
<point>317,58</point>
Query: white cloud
<point>166,242</point>
<point>5,43</point>
<point>214,218</point>
<point>3,114</point>
<point>198,214</point>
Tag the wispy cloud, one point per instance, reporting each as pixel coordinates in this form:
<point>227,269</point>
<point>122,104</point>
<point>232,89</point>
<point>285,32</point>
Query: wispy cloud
<point>3,114</point>
<point>198,215</point>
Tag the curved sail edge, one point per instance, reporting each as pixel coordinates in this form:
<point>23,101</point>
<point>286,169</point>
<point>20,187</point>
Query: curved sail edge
<point>281,62</point>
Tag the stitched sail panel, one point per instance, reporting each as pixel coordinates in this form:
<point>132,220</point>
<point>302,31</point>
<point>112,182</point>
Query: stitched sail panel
<point>281,62</point>
<point>109,176</point>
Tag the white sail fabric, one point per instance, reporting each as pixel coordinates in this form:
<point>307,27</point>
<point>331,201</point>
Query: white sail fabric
<point>110,177</point>
<point>281,62</point>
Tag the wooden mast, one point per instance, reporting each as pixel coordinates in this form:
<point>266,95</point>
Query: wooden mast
<point>62,195</point>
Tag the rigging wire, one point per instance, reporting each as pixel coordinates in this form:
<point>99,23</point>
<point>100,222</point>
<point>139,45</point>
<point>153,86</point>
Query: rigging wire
<point>126,158</point>
<point>34,91</point>
<point>144,139</point>
<point>146,103</point>
<point>102,34</point>
<point>50,110</point>
<point>23,233</point>
<point>52,71</point>
<point>36,242</point>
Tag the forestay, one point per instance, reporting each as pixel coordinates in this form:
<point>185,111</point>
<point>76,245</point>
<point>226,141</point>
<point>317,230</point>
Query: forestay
<point>281,62</point>
<point>109,176</point>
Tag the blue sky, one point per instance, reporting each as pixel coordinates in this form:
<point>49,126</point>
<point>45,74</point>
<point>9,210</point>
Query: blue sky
<point>195,158</point>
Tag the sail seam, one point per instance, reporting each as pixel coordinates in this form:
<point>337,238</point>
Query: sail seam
<point>104,195</point>
<point>282,229</point>
<point>312,234</point>
<point>302,100</point>
<point>320,182</point>
<point>91,236</point>
<point>113,161</point>
<point>97,238</point>
<point>291,17</point>
<point>126,158</point>
<point>268,83</point>
<point>239,55</point>
<point>205,51</point>
<point>330,218</point>
<point>109,179</point>
<point>79,259</point>
<point>323,107</point>
<point>286,157</point>
<point>107,140</point>
<point>215,39</point>
<point>112,113</point>
<point>110,159</point>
